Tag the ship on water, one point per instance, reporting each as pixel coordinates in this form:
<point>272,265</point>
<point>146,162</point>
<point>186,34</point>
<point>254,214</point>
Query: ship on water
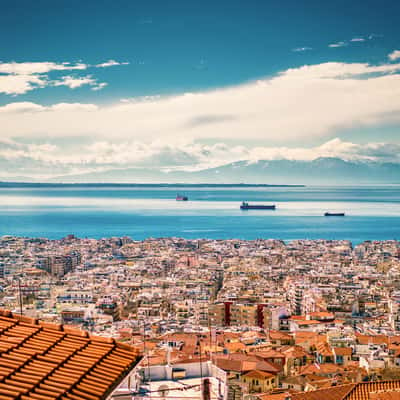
<point>334,214</point>
<point>246,206</point>
<point>181,198</point>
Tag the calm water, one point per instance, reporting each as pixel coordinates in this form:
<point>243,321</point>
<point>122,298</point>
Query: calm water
<point>372,213</point>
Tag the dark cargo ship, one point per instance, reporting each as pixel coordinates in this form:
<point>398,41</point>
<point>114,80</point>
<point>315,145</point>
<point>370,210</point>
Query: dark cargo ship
<point>247,206</point>
<point>181,198</point>
<point>330,214</point>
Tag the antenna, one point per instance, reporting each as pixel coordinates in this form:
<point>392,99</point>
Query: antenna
<point>147,357</point>
<point>201,366</point>
<point>20,295</point>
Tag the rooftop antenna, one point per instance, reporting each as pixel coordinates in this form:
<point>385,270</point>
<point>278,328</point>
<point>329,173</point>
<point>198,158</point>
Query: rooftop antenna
<point>145,352</point>
<point>20,295</point>
<point>201,366</point>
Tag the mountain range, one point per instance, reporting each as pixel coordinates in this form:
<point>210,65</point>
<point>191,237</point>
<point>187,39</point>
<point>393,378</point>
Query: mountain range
<point>325,170</point>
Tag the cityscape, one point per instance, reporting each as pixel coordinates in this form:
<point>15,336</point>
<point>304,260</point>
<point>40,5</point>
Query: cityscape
<point>251,317</point>
<point>199,200</point>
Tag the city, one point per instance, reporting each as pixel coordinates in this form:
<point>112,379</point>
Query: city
<point>199,200</point>
<point>258,319</point>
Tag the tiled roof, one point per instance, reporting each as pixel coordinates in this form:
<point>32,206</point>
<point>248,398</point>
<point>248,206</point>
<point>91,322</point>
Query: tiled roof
<point>42,361</point>
<point>276,396</point>
<point>236,346</point>
<point>322,314</point>
<point>372,339</point>
<point>324,349</point>
<point>393,395</point>
<point>343,351</point>
<point>277,335</point>
<point>295,352</point>
<point>258,374</point>
<point>244,364</point>
<point>332,393</point>
<point>308,322</point>
<point>351,391</point>
<point>363,390</point>
<point>269,353</point>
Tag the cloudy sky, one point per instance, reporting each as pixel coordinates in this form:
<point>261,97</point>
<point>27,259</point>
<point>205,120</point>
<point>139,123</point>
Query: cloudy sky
<point>97,85</point>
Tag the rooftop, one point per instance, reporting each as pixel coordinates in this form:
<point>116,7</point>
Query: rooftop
<point>351,391</point>
<point>46,361</point>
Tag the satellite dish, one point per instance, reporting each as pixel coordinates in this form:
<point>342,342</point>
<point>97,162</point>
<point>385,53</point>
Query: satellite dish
<point>163,390</point>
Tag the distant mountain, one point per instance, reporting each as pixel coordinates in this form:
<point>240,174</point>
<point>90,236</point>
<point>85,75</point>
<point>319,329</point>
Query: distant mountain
<point>319,171</point>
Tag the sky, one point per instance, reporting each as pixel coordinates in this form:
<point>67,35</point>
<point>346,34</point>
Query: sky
<point>96,85</point>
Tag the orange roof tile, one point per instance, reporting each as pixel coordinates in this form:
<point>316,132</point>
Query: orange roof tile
<point>343,351</point>
<point>277,335</point>
<point>257,374</point>
<point>46,361</point>
<point>393,395</point>
<point>363,389</point>
<point>235,346</point>
<point>332,393</point>
<point>373,339</point>
<point>351,391</point>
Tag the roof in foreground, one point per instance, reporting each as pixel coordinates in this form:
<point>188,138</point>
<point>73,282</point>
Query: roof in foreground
<point>350,391</point>
<point>44,361</point>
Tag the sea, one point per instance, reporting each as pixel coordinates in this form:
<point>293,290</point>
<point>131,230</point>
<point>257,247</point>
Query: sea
<point>212,211</point>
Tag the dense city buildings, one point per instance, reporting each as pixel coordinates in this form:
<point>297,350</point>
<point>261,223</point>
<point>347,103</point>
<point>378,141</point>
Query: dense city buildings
<point>222,319</point>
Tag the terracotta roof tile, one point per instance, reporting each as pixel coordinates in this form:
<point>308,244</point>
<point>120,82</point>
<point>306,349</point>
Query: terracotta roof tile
<point>392,395</point>
<point>363,390</point>
<point>352,391</point>
<point>332,393</point>
<point>46,361</point>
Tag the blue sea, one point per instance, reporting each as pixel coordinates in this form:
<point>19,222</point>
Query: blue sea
<point>372,212</point>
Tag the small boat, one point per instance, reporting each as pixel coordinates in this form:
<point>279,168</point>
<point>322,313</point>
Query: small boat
<point>181,198</point>
<point>247,206</point>
<point>331,214</point>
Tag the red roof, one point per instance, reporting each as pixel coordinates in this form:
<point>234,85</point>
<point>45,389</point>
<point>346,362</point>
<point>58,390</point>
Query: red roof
<point>46,361</point>
<point>257,374</point>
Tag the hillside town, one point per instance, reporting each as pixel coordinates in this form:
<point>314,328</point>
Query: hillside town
<point>222,319</point>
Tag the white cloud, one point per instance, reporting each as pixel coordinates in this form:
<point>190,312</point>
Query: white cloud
<point>111,63</point>
<point>19,78</point>
<point>47,159</point>
<point>100,86</point>
<point>29,68</point>
<point>72,107</point>
<point>338,44</point>
<point>20,84</point>
<point>337,70</point>
<point>74,82</point>
<point>306,102</point>
<point>21,107</point>
<point>301,49</point>
<point>394,55</point>
<point>357,39</point>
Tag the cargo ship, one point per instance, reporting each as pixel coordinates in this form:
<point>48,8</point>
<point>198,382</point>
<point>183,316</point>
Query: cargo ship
<point>181,198</point>
<point>331,214</point>
<point>247,206</point>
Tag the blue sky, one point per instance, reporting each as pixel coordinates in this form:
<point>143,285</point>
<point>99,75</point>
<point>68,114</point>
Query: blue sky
<point>185,45</point>
<point>104,54</point>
